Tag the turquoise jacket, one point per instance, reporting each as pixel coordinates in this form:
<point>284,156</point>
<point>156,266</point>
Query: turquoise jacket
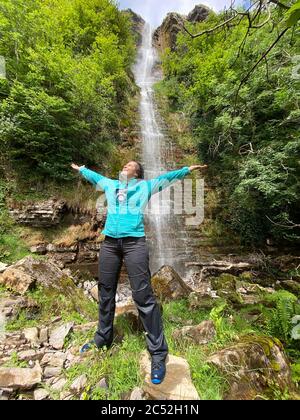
<point>126,201</point>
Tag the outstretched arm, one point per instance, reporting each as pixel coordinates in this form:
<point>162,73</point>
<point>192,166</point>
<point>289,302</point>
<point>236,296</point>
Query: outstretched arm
<point>167,179</point>
<point>93,177</point>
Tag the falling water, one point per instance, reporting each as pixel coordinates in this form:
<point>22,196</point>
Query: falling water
<point>162,227</point>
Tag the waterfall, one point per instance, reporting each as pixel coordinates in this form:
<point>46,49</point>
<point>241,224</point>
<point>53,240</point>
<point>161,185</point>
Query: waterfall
<point>167,239</point>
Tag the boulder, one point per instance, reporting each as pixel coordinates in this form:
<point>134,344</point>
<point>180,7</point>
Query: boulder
<point>30,271</point>
<point>203,333</point>
<point>251,365</point>
<point>177,384</point>
<point>20,378</point>
<point>168,285</point>
<point>16,280</point>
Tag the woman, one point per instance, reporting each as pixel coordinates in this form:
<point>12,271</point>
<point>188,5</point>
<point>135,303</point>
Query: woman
<point>125,238</point>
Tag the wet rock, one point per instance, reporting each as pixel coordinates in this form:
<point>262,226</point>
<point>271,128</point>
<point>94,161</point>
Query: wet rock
<point>20,378</point>
<point>252,365</point>
<point>177,384</point>
<point>168,285</point>
<point>40,394</point>
<point>203,333</point>
<point>58,335</point>
<point>79,384</point>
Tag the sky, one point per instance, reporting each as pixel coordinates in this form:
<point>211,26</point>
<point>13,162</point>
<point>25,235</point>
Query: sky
<point>154,11</point>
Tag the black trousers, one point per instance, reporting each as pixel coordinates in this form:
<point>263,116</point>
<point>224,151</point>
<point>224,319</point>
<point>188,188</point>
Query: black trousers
<point>135,252</point>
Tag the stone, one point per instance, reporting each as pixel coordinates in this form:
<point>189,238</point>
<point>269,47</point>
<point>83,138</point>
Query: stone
<point>168,285</point>
<point>40,394</point>
<point>251,365</point>
<point>94,293</point>
<point>45,213</point>
<point>201,301</point>
<point>40,249</point>
<point>12,305</point>
<point>32,335</point>
<point>137,394</point>
<point>44,335</point>
<point>203,333</point>
<point>177,384</point>
<point>51,372</point>
<point>129,313</point>
<point>79,384</point>
<point>16,280</point>
<point>31,355</point>
<point>102,383</point>
<point>3,267</point>
<point>20,378</point>
<point>58,335</point>
<point>56,359</point>
<point>59,385</point>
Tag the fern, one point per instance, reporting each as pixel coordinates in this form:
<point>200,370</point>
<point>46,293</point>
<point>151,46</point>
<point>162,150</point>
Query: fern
<point>280,320</point>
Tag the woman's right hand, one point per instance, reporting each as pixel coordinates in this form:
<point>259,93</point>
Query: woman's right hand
<point>76,167</point>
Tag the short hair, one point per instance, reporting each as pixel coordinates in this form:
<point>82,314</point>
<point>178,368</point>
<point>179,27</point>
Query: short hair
<point>140,170</point>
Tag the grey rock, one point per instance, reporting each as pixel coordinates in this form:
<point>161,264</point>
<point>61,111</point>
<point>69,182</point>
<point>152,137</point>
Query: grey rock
<point>58,335</point>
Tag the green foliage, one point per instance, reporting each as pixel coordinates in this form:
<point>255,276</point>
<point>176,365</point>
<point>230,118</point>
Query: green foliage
<point>15,362</point>
<point>293,14</point>
<point>280,319</point>
<point>68,67</point>
<point>249,138</point>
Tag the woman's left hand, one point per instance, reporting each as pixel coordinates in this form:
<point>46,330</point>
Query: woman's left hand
<point>195,167</point>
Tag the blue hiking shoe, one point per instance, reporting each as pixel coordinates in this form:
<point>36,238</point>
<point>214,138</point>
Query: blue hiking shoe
<point>88,346</point>
<point>158,371</point>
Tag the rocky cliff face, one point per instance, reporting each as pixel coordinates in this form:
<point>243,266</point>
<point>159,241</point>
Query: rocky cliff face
<point>166,34</point>
<point>137,25</point>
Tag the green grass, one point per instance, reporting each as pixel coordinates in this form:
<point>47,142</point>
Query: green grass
<point>77,308</point>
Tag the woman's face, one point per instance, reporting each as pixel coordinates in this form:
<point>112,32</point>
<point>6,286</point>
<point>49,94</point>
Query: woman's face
<point>130,170</point>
